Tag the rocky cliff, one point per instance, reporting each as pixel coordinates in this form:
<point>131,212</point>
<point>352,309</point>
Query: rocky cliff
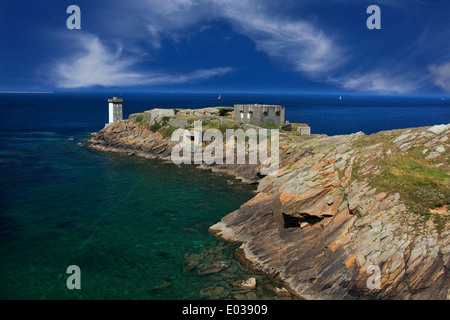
<point>345,217</point>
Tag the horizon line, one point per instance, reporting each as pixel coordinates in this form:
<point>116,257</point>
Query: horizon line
<point>348,94</point>
<point>46,92</point>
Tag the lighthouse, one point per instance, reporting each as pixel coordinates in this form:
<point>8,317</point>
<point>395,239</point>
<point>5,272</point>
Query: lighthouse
<point>115,109</point>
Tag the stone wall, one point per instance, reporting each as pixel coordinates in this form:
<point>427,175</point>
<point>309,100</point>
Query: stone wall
<point>179,122</point>
<point>261,115</point>
<point>155,113</point>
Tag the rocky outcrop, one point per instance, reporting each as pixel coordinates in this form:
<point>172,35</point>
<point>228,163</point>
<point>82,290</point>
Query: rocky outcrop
<point>345,217</point>
<point>128,137</point>
<point>323,227</point>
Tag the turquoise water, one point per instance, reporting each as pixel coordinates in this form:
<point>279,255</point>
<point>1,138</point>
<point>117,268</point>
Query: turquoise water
<point>127,222</point>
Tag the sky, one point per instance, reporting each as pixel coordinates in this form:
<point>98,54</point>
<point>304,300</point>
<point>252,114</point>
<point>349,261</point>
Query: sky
<point>283,46</point>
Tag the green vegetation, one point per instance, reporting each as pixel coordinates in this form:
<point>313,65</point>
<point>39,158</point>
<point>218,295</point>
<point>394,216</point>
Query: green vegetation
<point>212,124</point>
<point>362,142</point>
<point>217,124</point>
<point>421,184</point>
<point>224,126</point>
<point>167,131</point>
<point>222,112</point>
<point>164,121</point>
<point>355,169</point>
<point>144,123</point>
<point>155,127</point>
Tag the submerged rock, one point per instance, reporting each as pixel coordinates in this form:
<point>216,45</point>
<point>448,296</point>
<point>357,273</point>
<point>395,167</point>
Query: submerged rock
<point>213,293</point>
<point>213,267</point>
<point>245,285</point>
<point>160,286</point>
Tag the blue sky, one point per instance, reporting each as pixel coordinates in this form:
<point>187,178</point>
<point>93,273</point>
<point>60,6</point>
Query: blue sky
<point>283,46</point>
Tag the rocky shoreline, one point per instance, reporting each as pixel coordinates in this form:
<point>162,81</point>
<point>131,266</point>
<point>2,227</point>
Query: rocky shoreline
<point>217,263</point>
<point>331,217</point>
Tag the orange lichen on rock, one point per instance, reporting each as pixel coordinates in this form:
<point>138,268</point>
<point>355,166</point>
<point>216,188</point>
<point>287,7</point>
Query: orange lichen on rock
<point>351,261</point>
<point>287,197</point>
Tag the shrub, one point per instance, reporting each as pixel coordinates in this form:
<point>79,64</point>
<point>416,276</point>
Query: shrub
<point>222,112</point>
<point>164,121</point>
<point>167,131</point>
<point>155,127</point>
<point>224,126</point>
<point>144,123</point>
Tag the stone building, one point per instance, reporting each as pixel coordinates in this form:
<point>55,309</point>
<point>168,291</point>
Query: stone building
<point>259,114</point>
<point>115,109</point>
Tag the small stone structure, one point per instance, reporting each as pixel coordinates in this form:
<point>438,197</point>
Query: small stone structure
<point>155,113</point>
<point>259,114</point>
<point>304,130</point>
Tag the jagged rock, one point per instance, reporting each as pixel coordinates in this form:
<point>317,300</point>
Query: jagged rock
<point>440,149</point>
<point>303,225</point>
<point>281,292</point>
<point>213,267</point>
<point>245,285</point>
<point>437,129</point>
<point>381,196</point>
<point>190,265</point>
<point>362,227</point>
<point>401,138</point>
<point>433,154</point>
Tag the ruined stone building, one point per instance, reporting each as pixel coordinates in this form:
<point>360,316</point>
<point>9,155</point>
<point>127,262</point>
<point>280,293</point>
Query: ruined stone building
<point>259,114</point>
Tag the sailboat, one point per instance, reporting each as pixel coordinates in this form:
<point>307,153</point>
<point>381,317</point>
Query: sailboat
<point>219,97</point>
<point>340,97</point>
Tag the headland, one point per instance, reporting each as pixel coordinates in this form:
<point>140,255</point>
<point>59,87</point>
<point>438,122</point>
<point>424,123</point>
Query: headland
<point>345,217</point>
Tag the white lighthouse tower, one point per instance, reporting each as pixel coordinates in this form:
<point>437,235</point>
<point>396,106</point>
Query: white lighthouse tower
<point>115,109</point>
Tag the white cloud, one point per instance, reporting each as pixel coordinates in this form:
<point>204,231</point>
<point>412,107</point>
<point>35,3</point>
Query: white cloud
<point>441,75</point>
<point>100,66</point>
<point>378,81</point>
<point>299,43</point>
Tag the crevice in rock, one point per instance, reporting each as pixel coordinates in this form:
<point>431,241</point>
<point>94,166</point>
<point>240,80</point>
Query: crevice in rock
<point>295,222</point>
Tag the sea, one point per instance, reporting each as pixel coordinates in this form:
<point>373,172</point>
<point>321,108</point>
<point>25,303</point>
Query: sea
<point>129,223</point>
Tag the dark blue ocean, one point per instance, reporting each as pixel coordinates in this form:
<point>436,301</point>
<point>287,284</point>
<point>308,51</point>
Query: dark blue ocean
<point>129,222</point>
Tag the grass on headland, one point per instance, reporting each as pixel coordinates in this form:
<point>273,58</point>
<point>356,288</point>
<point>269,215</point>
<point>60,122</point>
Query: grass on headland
<point>422,185</point>
<point>417,180</point>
